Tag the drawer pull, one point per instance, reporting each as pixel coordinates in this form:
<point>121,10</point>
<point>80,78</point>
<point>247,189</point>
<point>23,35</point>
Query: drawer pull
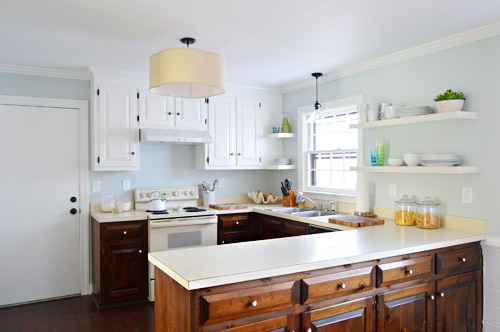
<point>254,303</point>
<point>441,294</point>
<point>223,242</point>
<point>409,272</point>
<point>140,251</point>
<point>432,297</point>
<point>464,260</point>
<point>237,223</point>
<point>124,232</point>
<point>342,285</point>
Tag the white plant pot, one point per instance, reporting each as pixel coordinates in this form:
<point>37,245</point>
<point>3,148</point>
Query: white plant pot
<point>454,105</point>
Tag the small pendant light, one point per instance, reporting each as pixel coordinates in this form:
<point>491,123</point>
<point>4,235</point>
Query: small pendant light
<point>317,106</point>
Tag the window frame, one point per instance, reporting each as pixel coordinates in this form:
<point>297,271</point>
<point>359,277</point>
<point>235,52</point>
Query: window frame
<point>340,195</point>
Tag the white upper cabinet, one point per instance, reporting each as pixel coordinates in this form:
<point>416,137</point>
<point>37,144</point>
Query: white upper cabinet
<point>221,151</point>
<point>116,139</point>
<point>247,124</point>
<point>155,111</point>
<point>191,113</point>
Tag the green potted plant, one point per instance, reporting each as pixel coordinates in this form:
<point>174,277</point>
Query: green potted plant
<point>449,101</point>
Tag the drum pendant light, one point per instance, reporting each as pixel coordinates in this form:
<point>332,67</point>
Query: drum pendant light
<point>187,72</point>
<point>317,106</point>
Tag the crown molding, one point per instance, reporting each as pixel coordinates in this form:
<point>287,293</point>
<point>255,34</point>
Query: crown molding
<point>76,74</point>
<point>466,37</point>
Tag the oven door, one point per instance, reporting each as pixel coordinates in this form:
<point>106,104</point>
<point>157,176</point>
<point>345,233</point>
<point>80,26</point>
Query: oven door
<point>171,234</point>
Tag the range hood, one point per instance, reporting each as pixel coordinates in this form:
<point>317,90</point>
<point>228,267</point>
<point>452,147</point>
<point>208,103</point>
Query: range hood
<point>175,136</point>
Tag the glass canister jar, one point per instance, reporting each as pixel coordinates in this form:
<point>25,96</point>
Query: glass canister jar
<point>285,126</point>
<point>406,211</point>
<point>428,214</point>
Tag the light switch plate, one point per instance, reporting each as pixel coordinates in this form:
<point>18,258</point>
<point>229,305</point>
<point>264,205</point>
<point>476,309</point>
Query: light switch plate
<point>96,186</point>
<point>392,189</point>
<point>467,195</point>
<point>221,182</point>
<point>126,184</point>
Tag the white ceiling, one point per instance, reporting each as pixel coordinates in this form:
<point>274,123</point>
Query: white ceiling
<point>270,42</point>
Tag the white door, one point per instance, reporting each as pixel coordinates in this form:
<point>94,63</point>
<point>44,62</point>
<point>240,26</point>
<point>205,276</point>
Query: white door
<point>118,135</point>
<point>222,128</point>
<point>247,124</point>
<point>155,111</point>
<point>39,173</point>
<point>191,113</point>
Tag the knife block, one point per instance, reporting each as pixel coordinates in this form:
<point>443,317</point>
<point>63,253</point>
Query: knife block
<point>291,199</point>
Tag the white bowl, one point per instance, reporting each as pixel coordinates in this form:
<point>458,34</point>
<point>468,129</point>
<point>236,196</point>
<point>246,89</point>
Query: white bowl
<point>411,159</point>
<point>395,161</point>
<point>453,105</point>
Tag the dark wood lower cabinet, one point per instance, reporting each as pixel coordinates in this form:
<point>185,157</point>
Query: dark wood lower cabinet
<point>356,315</point>
<point>120,266</point>
<point>407,310</point>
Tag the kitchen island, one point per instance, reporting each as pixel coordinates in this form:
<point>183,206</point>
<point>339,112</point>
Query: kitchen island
<point>381,278</point>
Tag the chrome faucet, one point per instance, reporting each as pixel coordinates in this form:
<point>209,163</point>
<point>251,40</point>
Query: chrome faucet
<point>316,206</point>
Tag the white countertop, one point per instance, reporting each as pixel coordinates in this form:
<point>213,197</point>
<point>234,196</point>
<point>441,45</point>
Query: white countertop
<point>133,215</point>
<point>201,267</point>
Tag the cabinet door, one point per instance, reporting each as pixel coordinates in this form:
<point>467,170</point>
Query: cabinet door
<point>117,134</point>
<point>270,228</point>
<point>191,113</point>
<point>409,309</point>
<point>454,303</point>
<point>356,315</point>
<point>222,128</point>
<point>155,111</point>
<point>124,271</point>
<point>280,324</point>
<point>291,228</point>
<point>247,140</point>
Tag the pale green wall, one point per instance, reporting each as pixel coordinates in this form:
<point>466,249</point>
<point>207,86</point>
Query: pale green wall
<point>472,68</point>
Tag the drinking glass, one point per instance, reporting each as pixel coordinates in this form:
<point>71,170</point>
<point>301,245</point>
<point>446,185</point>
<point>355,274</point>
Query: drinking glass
<point>380,152</point>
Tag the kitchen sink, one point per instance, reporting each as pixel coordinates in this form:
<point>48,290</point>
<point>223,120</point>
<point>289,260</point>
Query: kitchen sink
<point>290,210</point>
<point>314,213</point>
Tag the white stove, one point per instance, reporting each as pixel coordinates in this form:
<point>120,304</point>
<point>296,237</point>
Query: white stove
<point>182,225</point>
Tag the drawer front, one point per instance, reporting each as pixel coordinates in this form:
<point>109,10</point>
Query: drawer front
<point>246,302</point>
<point>405,270</point>
<point>458,260</point>
<point>336,284</point>
<point>270,325</point>
<point>123,232</point>
<point>235,221</point>
<point>235,237</point>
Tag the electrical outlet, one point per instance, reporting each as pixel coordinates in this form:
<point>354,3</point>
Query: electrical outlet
<point>221,182</point>
<point>467,195</point>
<point>96,186</point>
<point>392,189</point>
<point>126,184</point>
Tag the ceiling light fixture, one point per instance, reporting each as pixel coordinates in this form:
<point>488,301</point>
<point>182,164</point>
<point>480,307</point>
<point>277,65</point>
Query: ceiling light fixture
<point>317,106</point>
<point>187,72</point>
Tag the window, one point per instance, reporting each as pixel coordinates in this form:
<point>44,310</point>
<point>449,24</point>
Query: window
<point>330,148</point>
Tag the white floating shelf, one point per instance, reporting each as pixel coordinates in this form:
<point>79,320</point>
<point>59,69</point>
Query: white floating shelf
<point>462,115</point>
<point>281,135</point>
<point>280,167</point>
<point>418,169</point>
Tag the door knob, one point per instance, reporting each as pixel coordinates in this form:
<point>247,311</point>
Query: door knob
<point>73,211</point>
<point>73,199</point>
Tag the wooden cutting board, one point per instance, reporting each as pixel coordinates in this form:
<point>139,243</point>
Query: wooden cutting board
<point>355,221</point>
<point>228,206</point>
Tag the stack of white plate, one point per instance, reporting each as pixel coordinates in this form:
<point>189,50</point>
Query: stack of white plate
<point>405,111</point>
<point>440,160</point>
<point>282,161</point>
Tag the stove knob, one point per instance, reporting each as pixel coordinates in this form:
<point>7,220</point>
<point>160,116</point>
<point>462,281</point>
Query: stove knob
<point>176,193</point>
<point>148,194</point>
<point>186,193</point>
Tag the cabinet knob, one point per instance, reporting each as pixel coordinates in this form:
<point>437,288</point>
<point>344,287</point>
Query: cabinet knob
<point>169,113</point>
<point>441,294</point>
<point>464,260</point>
<point>432,297</point>
<point>178,113</point>
<point>254,303</point>
<point>132,153</point>
<point>124,232</point>
<point>239,153</point>
<point>223,242</point>
<point>309,330</point>
<point>237,223</point>
<point>231,154</point>
<point>73,211</point>
<point>73,199</point>
<point>140,251</point>
<point>342,285</point>
<point>409,271</point>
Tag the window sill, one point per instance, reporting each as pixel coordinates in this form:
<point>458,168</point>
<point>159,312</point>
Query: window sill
<point>341,198</point>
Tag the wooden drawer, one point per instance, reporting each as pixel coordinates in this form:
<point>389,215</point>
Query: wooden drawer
<point>246,302</point>
<point>336,284</point>
<point>235,221</point>
<point>122,231</point>
<point>405,270</point>
<point>458,260</point>
<point>235,237</point>
<point>271,325</point>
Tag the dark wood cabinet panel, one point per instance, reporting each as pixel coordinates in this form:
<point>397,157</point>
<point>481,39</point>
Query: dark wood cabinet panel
<point>270,228</point>
<point>233,228</point>
<point>459,303</point>
<point>294,228</point>
<point>410,309</point>
<point>280,324</point>
<point>356,315</point>
<point>462,260</point>
<point>404,270</point>
<point>120,266</point>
